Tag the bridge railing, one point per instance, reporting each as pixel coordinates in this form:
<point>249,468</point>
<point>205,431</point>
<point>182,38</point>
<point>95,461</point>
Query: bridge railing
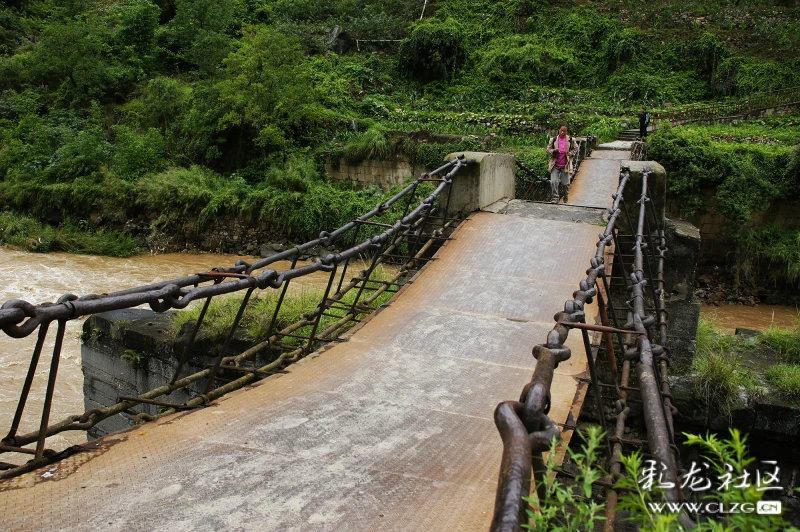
<point>526,430</point>
<point>405,242</point>
<point>639,150</point>
<point>755,103</point>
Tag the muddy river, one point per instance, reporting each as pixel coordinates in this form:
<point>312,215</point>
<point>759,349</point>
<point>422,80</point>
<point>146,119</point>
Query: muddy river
<point>39,278</point>
<point>729,317</point>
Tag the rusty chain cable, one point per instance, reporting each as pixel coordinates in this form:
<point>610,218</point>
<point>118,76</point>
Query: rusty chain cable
<point>20,318</point>
<point>525,428</point>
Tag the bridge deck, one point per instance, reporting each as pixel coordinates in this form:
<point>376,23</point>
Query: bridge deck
<point>391,430</point>
<point>597,178</point>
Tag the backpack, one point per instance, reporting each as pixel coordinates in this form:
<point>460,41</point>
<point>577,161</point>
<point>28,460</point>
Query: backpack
<point>646,118</point>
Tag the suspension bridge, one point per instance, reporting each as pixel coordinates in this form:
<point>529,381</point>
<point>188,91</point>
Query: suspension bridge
<point>406,421</point>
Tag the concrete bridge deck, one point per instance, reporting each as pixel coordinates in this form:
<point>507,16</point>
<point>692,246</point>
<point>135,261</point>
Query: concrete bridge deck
<point>391,430</point>
<point>598,176</point>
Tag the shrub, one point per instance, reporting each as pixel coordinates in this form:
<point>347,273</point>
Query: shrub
<point>775,246</point>
<point>643,85</point>
<point>371,144</point>
<point>570,506</point>
<point>785,342</point>
<point>138,154</point>
<point>194,190</point>
<point>434,50</point>
<point>692,164</point>
<point>726,457</point>
<point>720,376</point>
<point>624,47</point>
<point>75,237</point>
<point>529,59</point>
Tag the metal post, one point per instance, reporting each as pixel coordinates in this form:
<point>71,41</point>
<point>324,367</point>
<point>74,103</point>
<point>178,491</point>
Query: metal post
<point>280,300</point>
<point>26,388</point>
<point>51,384</point>
<point>224,348</point>
<point>190,343</point>
<point>346,263</point>
<point>321,309</point>
<point>592,372</point>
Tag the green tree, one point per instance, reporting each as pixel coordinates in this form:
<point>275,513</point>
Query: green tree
<point>201,33</point>
<point>435,49</point>
<point>137,22</point>
<point>77,58</point>
<point>268,89</point>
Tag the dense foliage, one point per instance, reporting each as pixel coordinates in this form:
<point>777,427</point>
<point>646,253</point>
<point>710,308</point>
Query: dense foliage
<point>748,172</point>
<point>115,110</point>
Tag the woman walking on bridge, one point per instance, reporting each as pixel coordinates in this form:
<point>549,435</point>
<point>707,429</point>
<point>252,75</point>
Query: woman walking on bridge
<point>561,149</point>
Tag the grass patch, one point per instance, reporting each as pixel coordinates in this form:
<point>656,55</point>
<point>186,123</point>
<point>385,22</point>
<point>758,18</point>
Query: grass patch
<point>74,237</point>
<point>369,145</point>
<point>786,378</point>
<point>259,311</point>
<point>256,318</point>
<point>710,340</point>
<point>717,366</point>
<point>785,342</point>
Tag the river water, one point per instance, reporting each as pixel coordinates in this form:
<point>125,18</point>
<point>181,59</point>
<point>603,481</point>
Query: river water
<point>39,278</point>
<point>729,317</point>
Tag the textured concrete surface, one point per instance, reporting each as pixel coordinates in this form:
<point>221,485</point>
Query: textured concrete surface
<point>391,430</point>
<point>616,145</point>
<point>488,179</point>
<point>559,212</point>
<point>594,183</point>
<point>620,155</point>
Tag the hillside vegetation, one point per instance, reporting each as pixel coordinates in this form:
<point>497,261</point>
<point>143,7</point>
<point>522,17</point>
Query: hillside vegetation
<point>741,171</point>
<point>171,110</point>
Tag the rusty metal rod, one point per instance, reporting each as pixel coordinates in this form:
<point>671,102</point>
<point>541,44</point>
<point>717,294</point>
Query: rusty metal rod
<point>597,328</point>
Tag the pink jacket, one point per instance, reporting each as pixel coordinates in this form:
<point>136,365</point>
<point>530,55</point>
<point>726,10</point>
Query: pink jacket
<point>552,149</point>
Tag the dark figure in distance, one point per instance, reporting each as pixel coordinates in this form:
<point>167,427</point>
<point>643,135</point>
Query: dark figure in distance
<point>644,121</point>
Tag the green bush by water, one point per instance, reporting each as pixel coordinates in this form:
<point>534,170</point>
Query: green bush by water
<point>26,233</point>
<point>785,342</point>
<point>744,170</point>
<point>720,375</point>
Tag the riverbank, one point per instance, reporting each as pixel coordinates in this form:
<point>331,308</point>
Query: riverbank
<point>23,232</point>
<point>717,286</point>
<point>225,235</point>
